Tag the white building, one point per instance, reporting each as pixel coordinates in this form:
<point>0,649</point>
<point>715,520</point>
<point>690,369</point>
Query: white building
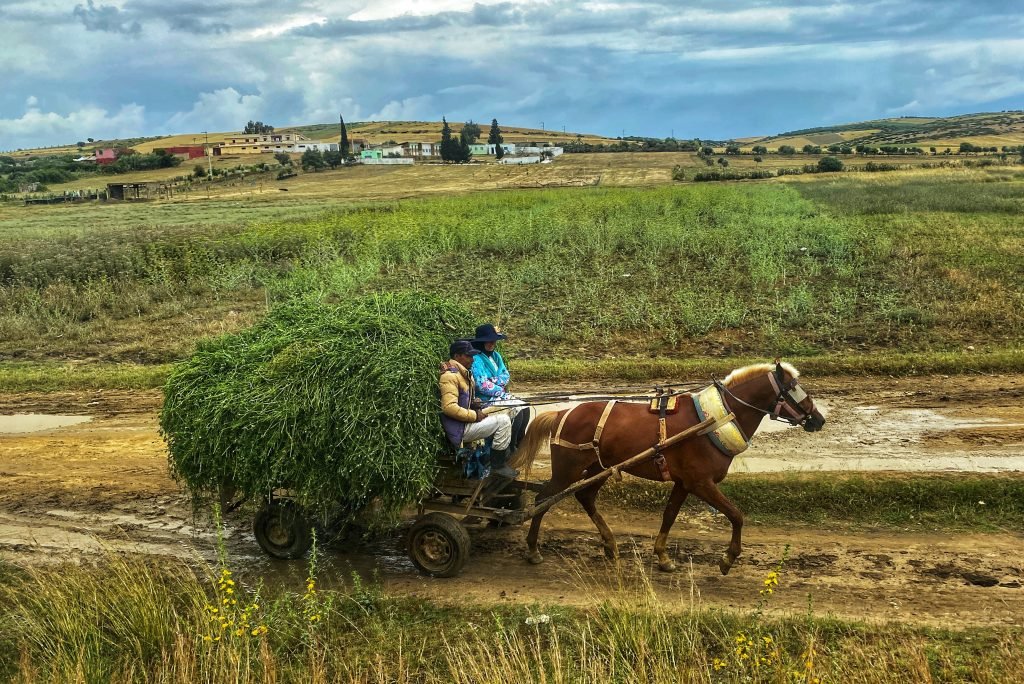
<point>272,143</point>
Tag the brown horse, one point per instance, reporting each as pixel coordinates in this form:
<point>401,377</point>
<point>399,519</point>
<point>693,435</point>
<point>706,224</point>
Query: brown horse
<point>695,465</point>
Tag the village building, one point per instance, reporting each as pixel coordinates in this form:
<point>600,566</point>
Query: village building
<point>271,143</point>
<point>417,149</point>
<point>186,152</point>
<point>106,156</point>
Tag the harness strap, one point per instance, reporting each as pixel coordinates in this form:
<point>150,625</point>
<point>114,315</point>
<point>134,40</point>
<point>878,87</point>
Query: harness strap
<point>659,458</point>
<point>595,443</point>
<point>782,405</point>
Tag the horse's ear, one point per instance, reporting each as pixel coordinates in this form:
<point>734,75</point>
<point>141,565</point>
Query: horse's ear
<point>779,373</point>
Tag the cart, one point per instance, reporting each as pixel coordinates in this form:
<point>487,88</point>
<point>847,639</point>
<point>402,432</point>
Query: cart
<point>438,543</point>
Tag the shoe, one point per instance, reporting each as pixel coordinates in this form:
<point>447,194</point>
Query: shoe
<point>506,471</point>
<point>500,466</point>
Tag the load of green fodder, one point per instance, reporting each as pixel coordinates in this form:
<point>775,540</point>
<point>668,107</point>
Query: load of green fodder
<point>337,403</point>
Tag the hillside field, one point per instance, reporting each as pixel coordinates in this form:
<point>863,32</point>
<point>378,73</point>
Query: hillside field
<point>922,261</point>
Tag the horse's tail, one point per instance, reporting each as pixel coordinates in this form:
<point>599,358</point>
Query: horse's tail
<point>539,431</point>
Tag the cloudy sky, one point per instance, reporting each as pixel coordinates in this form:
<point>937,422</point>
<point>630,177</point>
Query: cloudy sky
<point>702,68</point>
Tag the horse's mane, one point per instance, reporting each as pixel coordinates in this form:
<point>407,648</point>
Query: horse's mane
<point>741,375</point>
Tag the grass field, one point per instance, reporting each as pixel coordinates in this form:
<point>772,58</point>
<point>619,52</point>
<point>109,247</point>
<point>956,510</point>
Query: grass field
<point>920,262</point>
<point>129,621</point>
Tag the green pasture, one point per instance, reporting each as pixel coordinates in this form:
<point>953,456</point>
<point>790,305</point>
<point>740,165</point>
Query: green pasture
<point>926,263</point>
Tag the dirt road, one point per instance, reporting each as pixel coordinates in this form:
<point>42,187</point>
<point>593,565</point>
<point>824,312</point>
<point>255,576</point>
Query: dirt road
<point>75,491</point>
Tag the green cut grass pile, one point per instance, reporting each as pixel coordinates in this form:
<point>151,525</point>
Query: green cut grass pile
<point>337,403</point>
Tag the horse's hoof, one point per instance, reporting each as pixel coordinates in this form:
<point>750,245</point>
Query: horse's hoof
<point>667,566</point>
<point>725,565</point>
<point>535,558</point>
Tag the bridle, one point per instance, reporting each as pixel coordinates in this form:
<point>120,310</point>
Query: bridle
<point>788,395</point>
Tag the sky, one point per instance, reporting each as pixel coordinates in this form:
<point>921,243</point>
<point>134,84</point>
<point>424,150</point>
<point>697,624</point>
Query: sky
<point>713,69</point>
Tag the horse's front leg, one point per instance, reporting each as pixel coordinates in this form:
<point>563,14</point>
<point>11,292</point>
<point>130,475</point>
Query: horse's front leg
<point>710,492</point>
<point>533,554</point>
<point>675,502</point>
<point>588,499</point>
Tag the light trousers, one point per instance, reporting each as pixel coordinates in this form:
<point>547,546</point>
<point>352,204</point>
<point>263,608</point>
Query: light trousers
<point>497,424</point>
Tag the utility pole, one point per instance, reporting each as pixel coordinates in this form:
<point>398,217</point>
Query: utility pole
<point>542,126</point>
<point>209,155</point>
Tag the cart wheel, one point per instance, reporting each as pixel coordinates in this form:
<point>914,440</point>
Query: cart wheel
<point>438,545</point>
<point>282,531</point>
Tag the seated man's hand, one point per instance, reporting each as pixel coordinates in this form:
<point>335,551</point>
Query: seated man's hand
<point>479,415</point>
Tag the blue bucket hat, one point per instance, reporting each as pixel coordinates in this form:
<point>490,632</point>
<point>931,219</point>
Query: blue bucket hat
<point>488,333</point>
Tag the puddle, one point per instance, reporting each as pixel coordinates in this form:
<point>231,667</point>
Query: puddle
<point>35,422</point>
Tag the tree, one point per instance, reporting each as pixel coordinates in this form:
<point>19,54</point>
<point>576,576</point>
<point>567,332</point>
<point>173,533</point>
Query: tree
<point>732,148</point>
<point>707,151</point>
<point>499,151</point>
<point>759,149</point>
<point>758,158</point>
<point>91,139</point>
<point>827,164</point>
<point>464,152</point>
<point>258,127</point>
<point>199,171</point>
<point>471,131</point>
<point>343,145</point>
<point>333,158</point>
<point>283,159</point>
<point>450,149</point>
<point>80,144</point>
<point>812,149</point>
<point>312,159</point>
<point>494,136</point>
<point>787,149</point>
<point>723,162</point>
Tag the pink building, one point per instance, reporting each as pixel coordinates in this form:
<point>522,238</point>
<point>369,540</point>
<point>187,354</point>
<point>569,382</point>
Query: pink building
<point>107,156</point>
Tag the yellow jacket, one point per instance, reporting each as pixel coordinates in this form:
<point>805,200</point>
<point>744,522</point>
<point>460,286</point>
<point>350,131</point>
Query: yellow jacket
<point>454,386</point>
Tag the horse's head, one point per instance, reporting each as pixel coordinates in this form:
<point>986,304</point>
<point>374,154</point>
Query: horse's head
<point>791,403</point>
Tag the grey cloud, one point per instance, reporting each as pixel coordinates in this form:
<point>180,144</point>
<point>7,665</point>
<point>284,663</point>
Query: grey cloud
<point>106,18</point>
<point>194,25</point>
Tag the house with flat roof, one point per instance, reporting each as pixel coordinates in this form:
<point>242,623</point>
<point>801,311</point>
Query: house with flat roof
<point>272,143</point>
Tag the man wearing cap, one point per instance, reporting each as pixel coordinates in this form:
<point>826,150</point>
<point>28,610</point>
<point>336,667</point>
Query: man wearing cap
<point>463,421</point>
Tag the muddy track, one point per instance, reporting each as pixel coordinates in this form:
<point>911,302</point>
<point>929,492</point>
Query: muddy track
<point>84,490</point>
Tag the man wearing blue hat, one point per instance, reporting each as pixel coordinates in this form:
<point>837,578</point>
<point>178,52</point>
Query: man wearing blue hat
<point>463,421</point>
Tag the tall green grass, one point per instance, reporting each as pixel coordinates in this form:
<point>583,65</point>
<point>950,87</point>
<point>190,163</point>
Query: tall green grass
<point>766,269</point>
<point>132,621</point>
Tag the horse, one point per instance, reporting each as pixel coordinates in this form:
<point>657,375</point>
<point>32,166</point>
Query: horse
<point>593,436</point>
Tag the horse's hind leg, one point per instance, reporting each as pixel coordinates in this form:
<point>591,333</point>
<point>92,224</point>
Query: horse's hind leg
<point>588,499</point>
<point>675,502</point>
<point>533,554</point>
<point>714,496</point>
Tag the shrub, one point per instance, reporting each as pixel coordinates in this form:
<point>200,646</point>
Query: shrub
<point>336,403</point>
<point>830,164</point>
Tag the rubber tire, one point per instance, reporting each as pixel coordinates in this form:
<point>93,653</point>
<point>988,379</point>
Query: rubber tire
<point>282,531</point>
<point>438,545</point>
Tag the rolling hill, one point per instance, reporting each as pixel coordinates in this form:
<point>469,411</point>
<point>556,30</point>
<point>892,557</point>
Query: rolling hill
<point>994,129</point>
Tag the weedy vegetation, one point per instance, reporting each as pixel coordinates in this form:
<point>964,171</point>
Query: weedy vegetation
<point>926,264</point>
<point>335,402</point>
<point>129,621</point>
